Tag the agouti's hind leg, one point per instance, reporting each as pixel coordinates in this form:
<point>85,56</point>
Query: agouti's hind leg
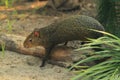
<point>47,56</point>
<point>65,43</point>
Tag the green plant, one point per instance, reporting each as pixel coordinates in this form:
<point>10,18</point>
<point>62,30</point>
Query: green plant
<point>106,70</point>
<point>108,15</point>
<point>10,25</point>
<point>7,3</point>
<point>3,48</point>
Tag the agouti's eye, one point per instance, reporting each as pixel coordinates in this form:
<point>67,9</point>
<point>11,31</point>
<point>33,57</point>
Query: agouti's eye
<point>30,40</point>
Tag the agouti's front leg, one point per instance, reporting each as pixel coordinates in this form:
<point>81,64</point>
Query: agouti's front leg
<point>47,56</point>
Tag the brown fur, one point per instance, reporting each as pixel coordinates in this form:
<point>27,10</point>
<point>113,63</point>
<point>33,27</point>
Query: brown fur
<point>73,28</point>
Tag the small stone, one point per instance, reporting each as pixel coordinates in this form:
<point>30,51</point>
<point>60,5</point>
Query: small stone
<point>12,66</point>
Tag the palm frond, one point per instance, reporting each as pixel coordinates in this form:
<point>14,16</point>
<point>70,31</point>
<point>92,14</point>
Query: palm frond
<point>106,70</point>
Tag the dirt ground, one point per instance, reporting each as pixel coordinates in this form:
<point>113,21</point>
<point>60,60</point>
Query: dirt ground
<point>14,66</point>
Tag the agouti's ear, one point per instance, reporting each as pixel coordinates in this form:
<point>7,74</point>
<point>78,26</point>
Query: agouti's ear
<point>36,34</point>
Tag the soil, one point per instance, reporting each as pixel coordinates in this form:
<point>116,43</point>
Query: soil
<point>14,66</point>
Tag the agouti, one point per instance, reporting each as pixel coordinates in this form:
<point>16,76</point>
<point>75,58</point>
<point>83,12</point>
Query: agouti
<point>73,28</point>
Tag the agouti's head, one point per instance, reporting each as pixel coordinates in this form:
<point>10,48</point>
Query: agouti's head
<point>33,39</point>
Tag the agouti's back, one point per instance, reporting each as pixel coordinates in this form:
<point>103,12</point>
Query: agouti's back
<point>73,28</point>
